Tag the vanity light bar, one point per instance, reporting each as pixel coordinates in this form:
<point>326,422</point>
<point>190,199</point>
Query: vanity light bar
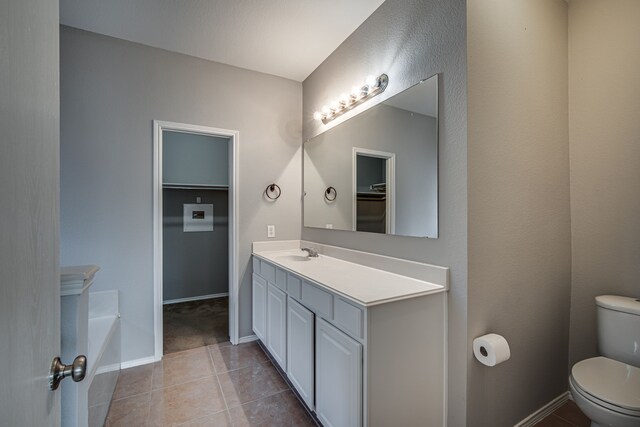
<point>372,86</point>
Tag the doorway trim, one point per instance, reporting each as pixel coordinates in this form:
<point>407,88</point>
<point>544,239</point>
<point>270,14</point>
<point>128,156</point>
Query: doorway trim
<point>391,185</point>
<point>234,273</point>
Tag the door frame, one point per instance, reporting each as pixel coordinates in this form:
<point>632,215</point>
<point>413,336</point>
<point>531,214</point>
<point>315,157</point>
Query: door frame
<point>160,126</point>
<point>391,186</point>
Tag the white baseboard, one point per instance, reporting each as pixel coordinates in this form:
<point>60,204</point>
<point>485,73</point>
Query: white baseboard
<point>248,338</point>
<point>137,362</point>
<point>547,409</point>
<point>198,298</point>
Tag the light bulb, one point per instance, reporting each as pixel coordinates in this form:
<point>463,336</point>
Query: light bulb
<point>325,110</point>
<point>344,99</point>
<point>355,92</point>
<point>317,115</point>
<point>371,81</point>
<point>335,105</point>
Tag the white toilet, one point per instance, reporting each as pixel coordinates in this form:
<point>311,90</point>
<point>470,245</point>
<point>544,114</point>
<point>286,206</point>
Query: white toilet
<point>607,388</point>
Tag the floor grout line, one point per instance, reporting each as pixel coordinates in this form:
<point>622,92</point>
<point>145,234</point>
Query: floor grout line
<point>128,397</point>
<point>200,418</point>
<point>260,398</point>
<point>224,399</point>
<point>254,362</point>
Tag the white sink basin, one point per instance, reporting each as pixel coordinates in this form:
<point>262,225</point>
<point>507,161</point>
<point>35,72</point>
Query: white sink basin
<point>293,257</point>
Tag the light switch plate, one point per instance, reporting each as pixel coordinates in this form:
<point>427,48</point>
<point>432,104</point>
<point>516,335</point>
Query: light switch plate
<point>271,231</point>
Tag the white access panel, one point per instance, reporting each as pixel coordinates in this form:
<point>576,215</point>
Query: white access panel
<point>197,217</point>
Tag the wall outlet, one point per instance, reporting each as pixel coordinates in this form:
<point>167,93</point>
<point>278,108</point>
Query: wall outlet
<point>271,231</point>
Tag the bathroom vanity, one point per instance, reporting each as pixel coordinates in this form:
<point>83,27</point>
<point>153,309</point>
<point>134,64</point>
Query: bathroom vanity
<point>361,337</point>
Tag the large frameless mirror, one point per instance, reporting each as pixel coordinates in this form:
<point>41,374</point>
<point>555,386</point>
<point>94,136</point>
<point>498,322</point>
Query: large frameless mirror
<point>378,171</point>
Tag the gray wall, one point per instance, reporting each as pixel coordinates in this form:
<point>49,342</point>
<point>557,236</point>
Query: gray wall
<point>411,40</point>
<point>604,129</point>
<point>29,234</point>
<point>194,263</point>
<point>329,162</point>
<point>189,158</point>
<point>111,90</point>
<point>518,211</point>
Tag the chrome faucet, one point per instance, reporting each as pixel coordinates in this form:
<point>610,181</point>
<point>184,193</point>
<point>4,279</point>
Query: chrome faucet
<point>313,253</point>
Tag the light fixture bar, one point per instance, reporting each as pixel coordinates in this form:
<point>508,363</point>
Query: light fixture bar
<point>372,87</point>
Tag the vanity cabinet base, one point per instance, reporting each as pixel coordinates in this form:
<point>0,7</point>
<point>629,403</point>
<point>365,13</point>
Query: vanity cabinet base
<point>354,365</point>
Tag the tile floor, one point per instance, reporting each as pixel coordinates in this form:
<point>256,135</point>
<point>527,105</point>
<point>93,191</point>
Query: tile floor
<point>218,385</point>
<point>568,415</point>
<point>193,324</point>
<point>205,381</point>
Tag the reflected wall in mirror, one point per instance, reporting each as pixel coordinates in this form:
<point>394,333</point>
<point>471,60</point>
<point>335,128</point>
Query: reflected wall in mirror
<point>383,165</point>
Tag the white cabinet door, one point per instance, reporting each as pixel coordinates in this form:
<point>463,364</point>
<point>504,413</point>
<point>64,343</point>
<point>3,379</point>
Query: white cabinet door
<point>338,377</point>
<point>277,324</point>
<point>259,307</point>
<point>300,369</point>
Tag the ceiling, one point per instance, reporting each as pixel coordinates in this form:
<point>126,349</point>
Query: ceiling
<point>287,38</point>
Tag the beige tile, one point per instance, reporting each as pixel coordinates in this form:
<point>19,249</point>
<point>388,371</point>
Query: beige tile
<point>571,413</point>
<point>221,419</point>
<point>553,421</point>
<point>282,409</point>
<point>251,383</point>
<point>182,367</point>
<point>130,411</point>
<point>186,402</point>
<point>133,381</point>
<point>231,357</point>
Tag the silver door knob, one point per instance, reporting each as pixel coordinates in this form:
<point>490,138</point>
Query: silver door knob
<point>59,371</point>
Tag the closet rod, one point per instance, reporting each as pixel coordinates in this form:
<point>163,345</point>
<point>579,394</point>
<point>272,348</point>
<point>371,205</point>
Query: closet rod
<point>194,186</point>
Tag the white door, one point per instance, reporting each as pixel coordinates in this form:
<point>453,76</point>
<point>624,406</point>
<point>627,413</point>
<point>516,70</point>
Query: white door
<point>259,309</point>
<point>300,369</point>
<point>338,377</point>
<point>29,197</point>
<point>277,324</point>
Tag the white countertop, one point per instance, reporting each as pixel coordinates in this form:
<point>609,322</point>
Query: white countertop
<point>363,285</point>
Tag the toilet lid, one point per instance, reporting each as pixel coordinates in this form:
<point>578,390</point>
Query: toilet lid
<point>609,380</point>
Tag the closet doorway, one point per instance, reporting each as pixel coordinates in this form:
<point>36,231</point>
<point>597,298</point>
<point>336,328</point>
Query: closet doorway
<point>374,191</point>
<point>195,236</point>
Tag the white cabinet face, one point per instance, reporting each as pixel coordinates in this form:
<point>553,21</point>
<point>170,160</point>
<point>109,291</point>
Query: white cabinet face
<point>338,377</point>
<point>300,334</point>
<point>259,287</point>
<point>277,324</point>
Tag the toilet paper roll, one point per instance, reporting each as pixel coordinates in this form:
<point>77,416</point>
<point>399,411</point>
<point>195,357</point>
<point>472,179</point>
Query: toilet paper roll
<point>491,349</point>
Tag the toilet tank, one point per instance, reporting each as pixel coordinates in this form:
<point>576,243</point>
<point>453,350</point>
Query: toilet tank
<point>619,328</point>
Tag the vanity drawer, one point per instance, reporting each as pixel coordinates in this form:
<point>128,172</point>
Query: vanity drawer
<point>268,271</point>
<point>281,279</point>
<point>321,302</point>
<point>348,317</point>
<point>294,286</point>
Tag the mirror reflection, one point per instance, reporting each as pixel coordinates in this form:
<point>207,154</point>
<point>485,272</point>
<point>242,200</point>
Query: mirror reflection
<point>378,171</point>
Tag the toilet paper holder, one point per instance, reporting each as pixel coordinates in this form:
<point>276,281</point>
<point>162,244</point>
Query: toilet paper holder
<point>491,349</point>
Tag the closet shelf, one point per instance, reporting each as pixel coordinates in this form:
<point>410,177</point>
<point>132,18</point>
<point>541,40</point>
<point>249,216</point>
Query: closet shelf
<point>177,186</point>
